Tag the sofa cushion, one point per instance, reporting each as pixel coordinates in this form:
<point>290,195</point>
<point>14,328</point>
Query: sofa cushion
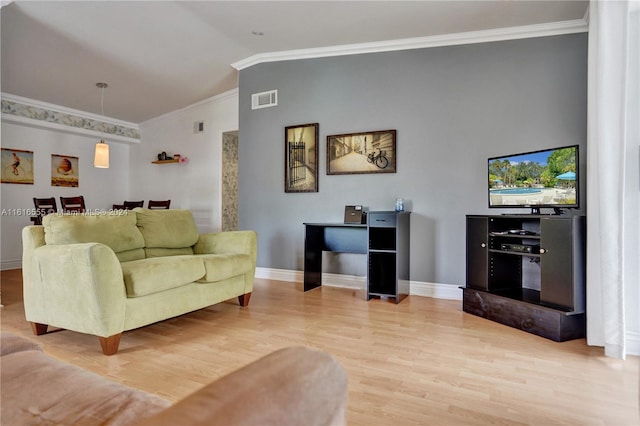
<point>161,251</point>
<point>135,254</point>
<point>116,230</point>
<point>148,276</point>
<point>167,228</point>
<point>222,266</point>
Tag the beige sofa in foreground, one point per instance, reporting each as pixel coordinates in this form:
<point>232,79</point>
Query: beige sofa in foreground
<point>103,274</point>
<point>291,386</point>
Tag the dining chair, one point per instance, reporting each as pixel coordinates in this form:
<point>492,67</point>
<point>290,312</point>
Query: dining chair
<point>43,206</point>
<point>72,204</point>
<point>128,205</point>
<point>158,204</point>
<point>118,207</point>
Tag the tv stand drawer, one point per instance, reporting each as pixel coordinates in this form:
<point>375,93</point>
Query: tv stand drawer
<point>536,319</point>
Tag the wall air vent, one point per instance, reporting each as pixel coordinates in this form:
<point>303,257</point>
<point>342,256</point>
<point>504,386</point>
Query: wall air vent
<point>264,99</point>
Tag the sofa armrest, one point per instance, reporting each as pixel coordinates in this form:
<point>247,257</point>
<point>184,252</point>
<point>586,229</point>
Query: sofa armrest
<point>79,287</point>
<point>291,386</point>
<point>228,242</point>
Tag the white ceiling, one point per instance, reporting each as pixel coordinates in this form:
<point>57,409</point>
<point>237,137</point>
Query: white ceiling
<point>160,56</point>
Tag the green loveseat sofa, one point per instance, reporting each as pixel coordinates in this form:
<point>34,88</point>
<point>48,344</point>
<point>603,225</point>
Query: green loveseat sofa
<point>103,274</point>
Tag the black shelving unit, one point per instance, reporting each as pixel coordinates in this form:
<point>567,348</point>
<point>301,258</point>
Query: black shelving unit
<point>528,272</point>
<point>388,254</point>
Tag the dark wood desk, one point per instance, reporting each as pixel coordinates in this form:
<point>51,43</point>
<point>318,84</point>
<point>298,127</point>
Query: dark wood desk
<point>336,237</point>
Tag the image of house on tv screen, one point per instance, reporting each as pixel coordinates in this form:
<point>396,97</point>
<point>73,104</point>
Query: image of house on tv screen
<point>546,178</point>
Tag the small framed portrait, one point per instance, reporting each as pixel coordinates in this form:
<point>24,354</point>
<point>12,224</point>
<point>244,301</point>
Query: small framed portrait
<point>64,171</point>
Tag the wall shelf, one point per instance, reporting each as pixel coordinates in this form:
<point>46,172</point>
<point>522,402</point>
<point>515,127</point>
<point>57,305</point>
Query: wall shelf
<point>165,161</point>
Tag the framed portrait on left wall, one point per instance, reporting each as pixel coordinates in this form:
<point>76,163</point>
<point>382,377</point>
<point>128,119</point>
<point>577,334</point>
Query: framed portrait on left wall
<point>64,171</point>
<point>17,166</point>
<point>301,158</point>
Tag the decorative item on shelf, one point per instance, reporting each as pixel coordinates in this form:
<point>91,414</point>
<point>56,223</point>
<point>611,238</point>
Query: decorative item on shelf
<point>101,158</point>
<point>164,158</point>
<point>399,204</point>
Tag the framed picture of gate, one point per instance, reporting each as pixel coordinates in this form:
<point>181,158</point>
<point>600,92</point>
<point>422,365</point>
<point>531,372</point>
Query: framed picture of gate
<point>301,158</point>
<point>366,152</point>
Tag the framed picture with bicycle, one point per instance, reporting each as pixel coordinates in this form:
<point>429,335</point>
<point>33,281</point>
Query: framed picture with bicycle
<point>366,152</point>
<point>17,166</point>
<point>301,158</point>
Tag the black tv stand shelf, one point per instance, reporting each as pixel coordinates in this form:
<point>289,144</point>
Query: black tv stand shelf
<point>521,294</point>
<point>528,272</point>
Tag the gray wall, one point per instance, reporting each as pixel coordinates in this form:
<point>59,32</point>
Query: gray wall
<point>452,107</point>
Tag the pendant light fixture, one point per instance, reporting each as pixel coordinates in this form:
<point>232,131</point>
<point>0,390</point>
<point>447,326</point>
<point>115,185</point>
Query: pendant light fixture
<point>101,158</point>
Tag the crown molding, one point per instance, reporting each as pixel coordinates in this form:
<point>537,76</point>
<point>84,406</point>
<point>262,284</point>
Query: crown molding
<point>585,18</point>
<point>229,94</point>
<point>484,36</point>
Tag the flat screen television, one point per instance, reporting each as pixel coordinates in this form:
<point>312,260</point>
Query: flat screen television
<point>537,179</point>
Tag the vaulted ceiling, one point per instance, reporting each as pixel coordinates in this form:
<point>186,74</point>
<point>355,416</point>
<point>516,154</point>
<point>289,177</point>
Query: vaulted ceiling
<point>160,56</point>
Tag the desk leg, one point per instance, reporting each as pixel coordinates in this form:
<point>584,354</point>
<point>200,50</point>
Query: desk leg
<point>313,242</point>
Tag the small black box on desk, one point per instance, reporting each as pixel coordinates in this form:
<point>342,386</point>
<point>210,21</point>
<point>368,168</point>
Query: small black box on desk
<point>355,214</point>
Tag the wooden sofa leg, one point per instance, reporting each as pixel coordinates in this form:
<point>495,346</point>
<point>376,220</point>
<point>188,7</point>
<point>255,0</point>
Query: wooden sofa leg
<point>38,329</point>
<point>244,299</point>
<point>110,344</point>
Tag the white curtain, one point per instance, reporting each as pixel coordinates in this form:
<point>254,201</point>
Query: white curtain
<point>609,243</point>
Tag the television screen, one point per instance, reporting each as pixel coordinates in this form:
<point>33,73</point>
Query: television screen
<point>547,178</point>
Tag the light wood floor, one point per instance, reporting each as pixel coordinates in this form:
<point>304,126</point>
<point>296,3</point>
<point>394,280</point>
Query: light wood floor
<point>423,361</point>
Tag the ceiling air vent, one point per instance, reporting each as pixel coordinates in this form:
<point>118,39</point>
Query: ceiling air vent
<point>264,99</point>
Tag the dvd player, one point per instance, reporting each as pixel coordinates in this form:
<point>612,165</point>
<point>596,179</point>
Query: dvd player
<point>521,248</point>
<point>522,232</point>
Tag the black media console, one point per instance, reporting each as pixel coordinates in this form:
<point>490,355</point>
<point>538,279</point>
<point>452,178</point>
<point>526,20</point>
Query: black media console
<point>528,272</point>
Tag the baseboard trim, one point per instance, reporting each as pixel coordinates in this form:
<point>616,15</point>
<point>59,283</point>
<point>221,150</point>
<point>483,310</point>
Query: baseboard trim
<point>279,274</point>
<point>10,264</point>
<point>435,290</point>
<point>632,340</point>
<point>417,288</point>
